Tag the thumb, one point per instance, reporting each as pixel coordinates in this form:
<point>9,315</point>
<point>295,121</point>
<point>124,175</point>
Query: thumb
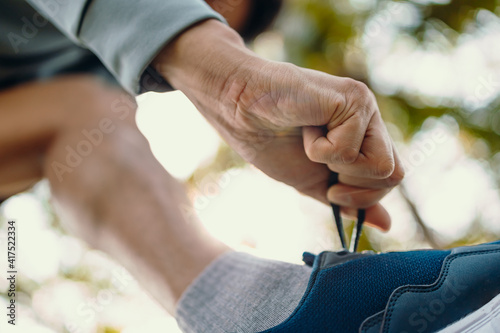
<point>340,145</point>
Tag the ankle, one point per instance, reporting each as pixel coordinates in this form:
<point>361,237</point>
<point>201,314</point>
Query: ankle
<point>240,292</point>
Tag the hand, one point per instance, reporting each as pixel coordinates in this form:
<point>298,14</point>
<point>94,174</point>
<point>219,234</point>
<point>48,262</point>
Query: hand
<point>292,123</point>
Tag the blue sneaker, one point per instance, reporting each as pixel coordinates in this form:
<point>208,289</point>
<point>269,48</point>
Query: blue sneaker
<point>418,291</point>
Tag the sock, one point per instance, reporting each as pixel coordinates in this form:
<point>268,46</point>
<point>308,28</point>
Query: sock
<point>242,293</point>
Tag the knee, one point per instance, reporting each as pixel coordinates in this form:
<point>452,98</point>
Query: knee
<point>98,128</point>
<point>92,101</point>
<point>96,113</point>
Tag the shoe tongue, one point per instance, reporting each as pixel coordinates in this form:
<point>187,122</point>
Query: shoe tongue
<point>330,259</point>
<point>308,258</point>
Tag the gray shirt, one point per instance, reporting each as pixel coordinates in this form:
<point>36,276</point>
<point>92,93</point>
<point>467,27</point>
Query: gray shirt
<point>115,38</point>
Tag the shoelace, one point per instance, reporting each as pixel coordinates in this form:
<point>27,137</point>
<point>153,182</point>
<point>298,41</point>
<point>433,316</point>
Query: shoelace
<point>358,227</point>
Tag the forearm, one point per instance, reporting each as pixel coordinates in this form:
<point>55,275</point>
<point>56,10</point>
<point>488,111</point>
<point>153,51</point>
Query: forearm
<point>210,64</point>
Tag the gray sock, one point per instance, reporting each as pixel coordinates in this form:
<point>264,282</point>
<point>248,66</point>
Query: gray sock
<point>242,293</point>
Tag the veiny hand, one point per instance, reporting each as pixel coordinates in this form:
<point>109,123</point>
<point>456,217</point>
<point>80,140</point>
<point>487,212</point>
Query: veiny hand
<point>292,123</point>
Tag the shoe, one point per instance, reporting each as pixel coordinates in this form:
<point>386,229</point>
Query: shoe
<point>418,291</point>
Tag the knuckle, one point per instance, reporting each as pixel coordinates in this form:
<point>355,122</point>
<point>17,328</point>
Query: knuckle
<point>358,88</point>
<point>348,155</point>
<point>385,169</point>
<point>312,154</point>
<point>361,87</point>
<point>396,178</point>
<point>353,101</point>
<point>360,96</point>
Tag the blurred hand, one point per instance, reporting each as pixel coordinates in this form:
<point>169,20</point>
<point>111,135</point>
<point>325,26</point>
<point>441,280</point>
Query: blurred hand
<point>292,123</point>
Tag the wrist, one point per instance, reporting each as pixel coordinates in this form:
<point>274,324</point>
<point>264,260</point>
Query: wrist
<point>202,57</point>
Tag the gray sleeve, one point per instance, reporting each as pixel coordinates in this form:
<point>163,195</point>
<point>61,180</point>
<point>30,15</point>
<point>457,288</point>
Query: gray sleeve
<point>126,35</point>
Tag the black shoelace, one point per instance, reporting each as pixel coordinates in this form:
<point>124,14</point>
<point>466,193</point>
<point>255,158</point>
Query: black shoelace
<point>358,227</point>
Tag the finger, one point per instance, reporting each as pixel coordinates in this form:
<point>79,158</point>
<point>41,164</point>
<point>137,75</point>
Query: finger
<point>393,180</point>
<point>341,145</point>
<point>355,197</point>
<point>286,161</point>
<point>376,159</point>
<point>376,216</point>
<point>348,137</point>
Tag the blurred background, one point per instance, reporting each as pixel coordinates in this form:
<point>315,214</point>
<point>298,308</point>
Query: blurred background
<point>434,66</point>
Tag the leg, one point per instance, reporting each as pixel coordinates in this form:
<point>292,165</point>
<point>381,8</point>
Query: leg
<point>113,192</point>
